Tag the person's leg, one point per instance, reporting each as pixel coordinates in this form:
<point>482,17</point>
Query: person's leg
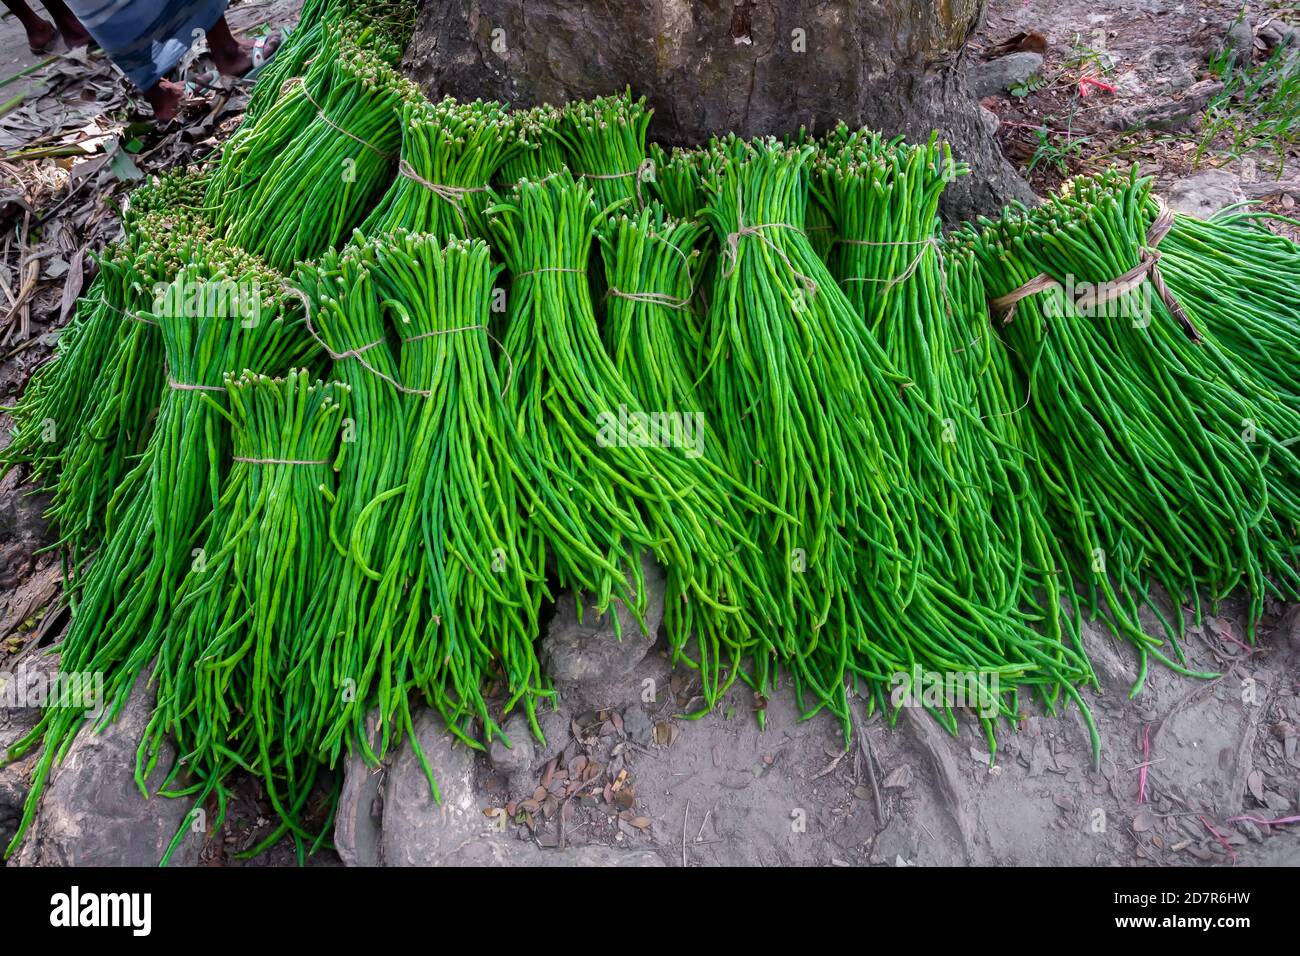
<point>231,57</point>
<point>165,98</point>
<point>39,33</point>
<point>74,34</point>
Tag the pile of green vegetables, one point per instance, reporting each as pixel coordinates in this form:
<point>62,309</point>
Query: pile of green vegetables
<point>339,420</point>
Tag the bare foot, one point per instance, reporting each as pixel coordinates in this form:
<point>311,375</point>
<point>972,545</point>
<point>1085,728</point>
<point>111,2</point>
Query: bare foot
<point>73,33</point>
<point>165,98</point>
<point>39,34</point>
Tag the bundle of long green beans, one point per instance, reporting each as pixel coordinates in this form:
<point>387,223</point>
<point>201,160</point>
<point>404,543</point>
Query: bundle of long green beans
<point>656,342</point>
<point>236,638</point>
<point>345,313</point>
<point>303,44</point>
<point>261,140</point>
<point>605,142</point>
<point>813,412</point>
<point>1042,573</point>
<point>1173,470</point>
<point>678,179</point>
<point>463,535</point>
<point>613,483</point>
<point>1238,282</point>
<point>307,172</point>
<point>222,311</point>
<point>56,395</point>
<point>650,329</point>
<point>450,152</point>
<point>48,417</point>
<point>883,202</point>
<point>123,398</point>
<point>537,151</point>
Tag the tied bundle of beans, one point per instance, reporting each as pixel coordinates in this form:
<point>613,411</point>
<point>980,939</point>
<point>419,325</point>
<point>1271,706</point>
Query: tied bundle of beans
<point>609,485</point>
<point>346,314</point>
<point>48,416</point>
<point>223,311</point>
<point>258,143</point>
<point>650,330</point>
<point>842,140</point>
<point>538,151</point>
<point>460,533</point>
<point>883,202</point>
<point>318,185</point>
<point>655,341</point>
<point>1045,587</point>
<point>1249,428</point>
<point>390,23</point>
<point>450,151</point>
<point>56,396</point>
<point>605,142</point>
<point>679,185</point>
<point>1238,283</point>
<point>240,630</point>
<point>811,410</point>
<point>168,193</point>
<point>129,384</point>
<point>678,180</point>
<point>1154,482</point>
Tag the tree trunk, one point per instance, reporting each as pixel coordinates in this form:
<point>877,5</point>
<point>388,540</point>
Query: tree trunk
<point>713,66</point>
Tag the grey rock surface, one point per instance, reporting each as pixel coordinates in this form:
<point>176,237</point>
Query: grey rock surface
<point>518,754</point>
<point>388,816</point>
<point>992,77</point>
<point>585,656</point>
<point>637,724</point>
<point>1239,39</point>
<point>1205,193</point>
<point>93,814</point>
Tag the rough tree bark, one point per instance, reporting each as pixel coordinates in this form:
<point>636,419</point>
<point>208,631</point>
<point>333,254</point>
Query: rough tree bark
<point>713,66</point>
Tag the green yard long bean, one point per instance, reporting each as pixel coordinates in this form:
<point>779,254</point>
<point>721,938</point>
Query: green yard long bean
<point>811,407</point>
<point>308,172</point>
<point>655,340</point>
<point>241,629</point>
<point>605,142</point>
<point>450,152</point>
<point>611,484</point>
<point>222,311</point>
<point>538,151</point>
<point>347,315</point>
<point>1153,481</point>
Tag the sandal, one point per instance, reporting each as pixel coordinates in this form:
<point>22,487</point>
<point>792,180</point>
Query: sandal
<point>263,52</point>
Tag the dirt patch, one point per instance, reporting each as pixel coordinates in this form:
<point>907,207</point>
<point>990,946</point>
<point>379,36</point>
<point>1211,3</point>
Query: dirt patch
<point>1155,57</point>
<point>720,791</point>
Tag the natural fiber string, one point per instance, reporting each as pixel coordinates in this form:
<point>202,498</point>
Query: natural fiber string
<point>356,353</point>
<point>320,112</point>
<point>187,387</point>
<point>510,362</point>
<point>732,243</point>
<point>452,194</point>
<point>912,266</point>
<point>647,165</point>
<point>530,272</point>
<point>652,298</point>
<point>686,260</point>
<point>1147,268</point>
<point>132,315</point>
<point>281,461</point>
